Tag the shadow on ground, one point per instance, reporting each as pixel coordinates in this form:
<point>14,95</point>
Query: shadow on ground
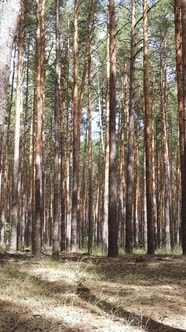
<point>18,318</point>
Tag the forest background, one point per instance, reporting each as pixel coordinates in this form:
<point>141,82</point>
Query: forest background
<point>92,144</point>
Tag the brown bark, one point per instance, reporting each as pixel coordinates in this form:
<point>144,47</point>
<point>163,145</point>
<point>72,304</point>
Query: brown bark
<point>180,29</point>
<point>179,70</point>
<point>150,226</point>
<point>136,190</point>
<point>184,132</point>
<point>154,157</point>
<point>84,192</point>
<point>130,157</point>
<point>55,246</point>
<point>74,238</point>
<point>106,179</point>
<point>39,104</point>
<point>121,171</point>
<point>90,165</point>
<point>68,154</point>
<point>166,179</point>
<point>112,215</point>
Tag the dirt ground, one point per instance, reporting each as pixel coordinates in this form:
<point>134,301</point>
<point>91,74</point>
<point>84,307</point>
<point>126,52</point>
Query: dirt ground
<point>80,293</point>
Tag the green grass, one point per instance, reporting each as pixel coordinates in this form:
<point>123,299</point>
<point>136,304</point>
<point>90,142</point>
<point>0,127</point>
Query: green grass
<point>5,248</point>
<point>177,251</point>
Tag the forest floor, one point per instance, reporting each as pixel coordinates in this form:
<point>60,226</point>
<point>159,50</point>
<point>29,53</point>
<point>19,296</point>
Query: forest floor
<point>82,293</point>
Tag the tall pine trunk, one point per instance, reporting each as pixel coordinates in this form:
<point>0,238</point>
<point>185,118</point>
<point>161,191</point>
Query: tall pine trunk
<point>112,216</point>
<point>90,165</point>
<point>149,187</point>
<point>106,179</point>
<point>55,246</point>
<point>74,237</point>
<point>182,130</point>
<point>166,165</point>
<point>39,107</point>
<point>15,208</point>
<point>130,157</point>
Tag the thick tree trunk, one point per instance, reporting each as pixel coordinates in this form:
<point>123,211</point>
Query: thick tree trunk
<point>90,165</point>
<point>106,179</point>
<point>150,226</point>
<point>39,104</point>
<point>15,208</point>
<point>121,167</point>
<point>112,216</point>
<point>130,157</point>
<point>180,154</point>
<point>182,129</point>
<point>68,145</point>
<point>166,180</point>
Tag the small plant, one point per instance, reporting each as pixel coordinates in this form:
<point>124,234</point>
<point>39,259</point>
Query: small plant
<point>7,232</point>
<point>5,248</point>
<point>139,251</point>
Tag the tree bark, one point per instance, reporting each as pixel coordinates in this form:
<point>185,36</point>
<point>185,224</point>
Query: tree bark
<point>15,208</point>
<point>106,179</point>
<point>166,179</point>
<point>74,238</point>
<point>40,83</point>
<point>130,157</point>
<point>112,216</point>
<point>90,165</point>
<point>182,129</point>
<point>150,226</point>
<point>56,246</point>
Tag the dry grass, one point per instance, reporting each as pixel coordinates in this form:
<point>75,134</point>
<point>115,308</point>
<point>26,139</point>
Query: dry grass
<point>82,293</point>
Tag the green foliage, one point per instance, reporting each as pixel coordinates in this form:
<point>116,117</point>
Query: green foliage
<point>4,249</point>
<point>7,232</point>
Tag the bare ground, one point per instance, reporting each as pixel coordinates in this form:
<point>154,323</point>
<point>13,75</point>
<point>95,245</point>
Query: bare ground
<point>80,293</point>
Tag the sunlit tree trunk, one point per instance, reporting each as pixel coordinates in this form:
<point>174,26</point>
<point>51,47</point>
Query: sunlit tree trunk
<point>136,189</point>
<point>121,166</point>
<point>112,215</point>
<point>25,173</point>
<point>150,226</point>
<point>74,238</point>
<point>90,165</point>
<point>106,179</point>
<point>154,157</point>
<point>144,224</point>
<point>15,208</point>
<point>39,107</point>
<point>68,146</point>
<point>90,203</point>
<point>56,246</point>
<point>166,165</point>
